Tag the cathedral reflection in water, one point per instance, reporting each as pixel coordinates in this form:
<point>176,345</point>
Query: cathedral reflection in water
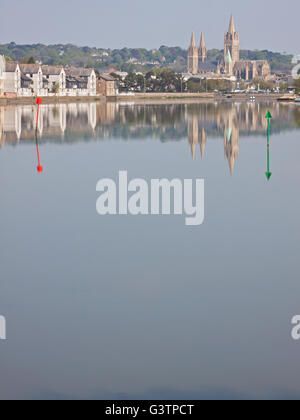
<point>197,122</point>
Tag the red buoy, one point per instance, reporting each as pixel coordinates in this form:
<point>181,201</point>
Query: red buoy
<point>38,102</point>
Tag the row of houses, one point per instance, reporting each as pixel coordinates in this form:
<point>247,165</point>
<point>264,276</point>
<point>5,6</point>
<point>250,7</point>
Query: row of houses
<point>23,80</point>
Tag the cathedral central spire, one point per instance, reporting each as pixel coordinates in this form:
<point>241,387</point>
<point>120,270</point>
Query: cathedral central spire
<point>232,43</point>
<point>231,26</point>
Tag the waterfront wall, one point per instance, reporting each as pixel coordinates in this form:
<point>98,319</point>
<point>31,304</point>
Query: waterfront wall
<point>141,97</point>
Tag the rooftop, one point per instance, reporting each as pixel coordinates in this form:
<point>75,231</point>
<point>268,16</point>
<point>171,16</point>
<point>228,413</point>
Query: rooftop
<point>207,65</point>
<point>11,66</point>
<point>52,70</point>
<point>30,68</point>
<point>78,72</point>
<point>107,78</point>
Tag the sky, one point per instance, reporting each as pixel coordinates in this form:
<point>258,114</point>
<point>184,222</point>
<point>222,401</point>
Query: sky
<point>262,24</point>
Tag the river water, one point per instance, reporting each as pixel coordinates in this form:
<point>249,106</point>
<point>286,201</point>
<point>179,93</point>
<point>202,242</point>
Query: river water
<point>146,307</point>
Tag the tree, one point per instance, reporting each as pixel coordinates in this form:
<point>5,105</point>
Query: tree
<point>28,60</point>
<point>118,59</point>
<point>130,82</point>
<point>219,85</point>
<point>141,82</point>
<point>55,87</point>
<point>31,60</point>
<point>169,81</point>
<point>115,76</point>
<point>283,87</point>
<point>263,84</point>
<point>196,85</point>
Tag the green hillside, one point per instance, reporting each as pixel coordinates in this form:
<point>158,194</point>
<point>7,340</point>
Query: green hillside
<point>126,59</point>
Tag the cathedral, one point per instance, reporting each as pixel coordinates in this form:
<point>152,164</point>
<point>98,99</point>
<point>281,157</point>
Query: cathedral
<point>230,65</point>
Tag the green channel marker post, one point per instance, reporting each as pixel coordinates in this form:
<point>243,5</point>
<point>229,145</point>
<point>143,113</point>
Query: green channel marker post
<point>268,173</point>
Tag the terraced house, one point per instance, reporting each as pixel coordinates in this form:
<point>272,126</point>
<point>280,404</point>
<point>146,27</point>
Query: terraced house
<point>12,78</point>
<point>54,80</point>
<point>34,72</point>
<point>81,82</point>
<point>18,79</point>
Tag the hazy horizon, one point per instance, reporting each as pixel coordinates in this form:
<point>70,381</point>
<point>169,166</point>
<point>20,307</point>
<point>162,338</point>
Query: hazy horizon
<point>136,24</point>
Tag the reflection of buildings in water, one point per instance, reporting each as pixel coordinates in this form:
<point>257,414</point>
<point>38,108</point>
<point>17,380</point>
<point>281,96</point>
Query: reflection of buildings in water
<point>249,116</point>
<point>230,119</point>
<point>231,138</point>
<point>203,140</point>
<point>53,120</point>
<point>20,122</point>
<point>167,122</point>
<point>12,124</point>
<point>81,117</point>
<point>106,113</point>
<point>193,134</point>
<point>196,136</point>
<point>231,145</point>
<point>92,115</point>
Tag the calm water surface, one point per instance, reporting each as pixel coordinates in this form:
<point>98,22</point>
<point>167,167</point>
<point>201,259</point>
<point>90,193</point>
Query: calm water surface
<point>145,307</point>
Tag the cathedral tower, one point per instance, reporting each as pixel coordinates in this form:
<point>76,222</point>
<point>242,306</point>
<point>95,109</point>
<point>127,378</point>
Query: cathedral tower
<point>202,50</point>
<point>193,57</point>
<point>232,43</point>
<point>229,64</point>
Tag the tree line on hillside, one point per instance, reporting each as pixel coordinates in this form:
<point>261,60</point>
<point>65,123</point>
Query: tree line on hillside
<point>127,59</point>
<point>155,80</point>
<point>167,80</point>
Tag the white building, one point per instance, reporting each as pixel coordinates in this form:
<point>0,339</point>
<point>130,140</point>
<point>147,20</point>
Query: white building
<point>54,80</point>
<point>81,82</point>
<point>36,80</point>
<point>26,86</point>
<point>34,72</point>
<point>12,78</point>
